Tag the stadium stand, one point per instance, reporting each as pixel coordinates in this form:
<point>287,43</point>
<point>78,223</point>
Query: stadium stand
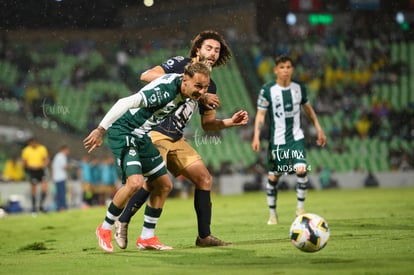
<point>379,86</point>
<point>346,79</point>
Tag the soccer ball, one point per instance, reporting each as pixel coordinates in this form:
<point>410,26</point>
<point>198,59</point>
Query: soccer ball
<point>309,232</point>
<point>3,213</point>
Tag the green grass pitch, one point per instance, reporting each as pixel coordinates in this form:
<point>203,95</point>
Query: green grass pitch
<point>372,232</point>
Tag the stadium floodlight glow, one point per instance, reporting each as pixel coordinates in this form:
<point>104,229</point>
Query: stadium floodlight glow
<point>399,17</point>
<point>148,3</point>
<point>291,19</point>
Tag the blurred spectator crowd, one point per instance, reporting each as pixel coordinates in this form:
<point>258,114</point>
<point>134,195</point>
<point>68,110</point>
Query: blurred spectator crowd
<point>344,68</point>
<point>349,73</point>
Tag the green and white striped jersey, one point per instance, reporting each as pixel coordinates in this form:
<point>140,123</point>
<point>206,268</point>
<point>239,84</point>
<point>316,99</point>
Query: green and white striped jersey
<point>160,98</point>
<point>283,108</point>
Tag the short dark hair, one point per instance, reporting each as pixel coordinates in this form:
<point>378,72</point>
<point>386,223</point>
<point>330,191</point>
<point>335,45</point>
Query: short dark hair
<point>282,59</point>
<point>196,43</point>
<point>64,147</point>
<point>31,140</point>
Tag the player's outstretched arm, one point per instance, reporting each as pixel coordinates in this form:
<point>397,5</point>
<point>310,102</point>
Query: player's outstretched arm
<point>94,139</point>
<point>210,123</point>
<point>121,107</point>
<point>153,73</point>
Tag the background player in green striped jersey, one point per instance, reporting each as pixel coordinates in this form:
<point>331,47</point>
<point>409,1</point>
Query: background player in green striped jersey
<point>283,98</point>
<point>128,123</point>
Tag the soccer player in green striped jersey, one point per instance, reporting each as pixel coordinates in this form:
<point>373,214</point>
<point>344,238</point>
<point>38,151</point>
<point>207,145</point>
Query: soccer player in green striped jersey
<point>283,98</point>
<point>128,123</point>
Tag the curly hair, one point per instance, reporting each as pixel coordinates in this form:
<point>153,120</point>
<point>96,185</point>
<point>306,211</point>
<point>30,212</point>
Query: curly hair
<point>196,43</point>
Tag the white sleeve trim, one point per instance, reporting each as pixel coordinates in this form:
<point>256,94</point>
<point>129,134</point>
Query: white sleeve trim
<point>121,107</point>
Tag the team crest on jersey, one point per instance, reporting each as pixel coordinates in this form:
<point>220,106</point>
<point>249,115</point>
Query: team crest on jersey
<point>277,98</point>
<point>132,152</point>
<point>297,94</point>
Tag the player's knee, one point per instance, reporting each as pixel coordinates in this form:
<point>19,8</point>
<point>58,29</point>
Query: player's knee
<point>204,181</point>
<point>302,181</point>
<point>134,183</point>
<point>166,187</point>
<point>272,178</point>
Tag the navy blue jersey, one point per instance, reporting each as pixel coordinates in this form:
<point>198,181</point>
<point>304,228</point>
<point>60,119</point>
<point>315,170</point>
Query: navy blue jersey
<point>173,125</point>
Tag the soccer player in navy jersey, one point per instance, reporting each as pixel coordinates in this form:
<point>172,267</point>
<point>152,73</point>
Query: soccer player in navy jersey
<point>179,156</point>
<point>283,98</point>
